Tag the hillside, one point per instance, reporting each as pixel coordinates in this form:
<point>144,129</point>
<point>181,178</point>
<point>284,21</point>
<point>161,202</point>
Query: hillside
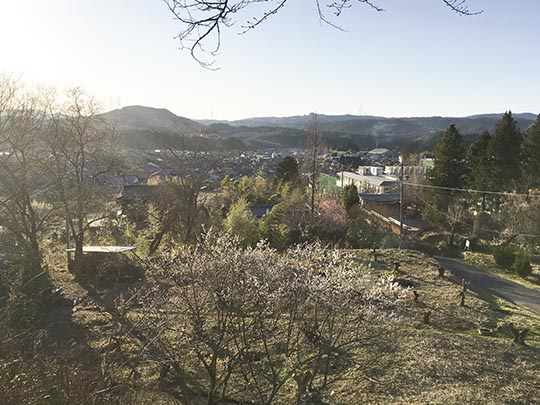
<point>142,126</point>
<point>148,118</point>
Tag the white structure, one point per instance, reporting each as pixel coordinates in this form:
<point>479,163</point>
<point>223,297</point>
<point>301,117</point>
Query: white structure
<point>370,180</point>
<point>427,163</point>
<point>381,154</point>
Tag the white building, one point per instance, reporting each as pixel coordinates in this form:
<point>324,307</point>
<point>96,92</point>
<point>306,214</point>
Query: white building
<point>369,180</point>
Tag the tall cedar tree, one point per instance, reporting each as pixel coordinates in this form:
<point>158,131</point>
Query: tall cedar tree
<point>287,171</point>
<point>531,155</point>
<point>481,166</point>
<point>350,196</point>
<point>449,169</point>
<point>505,147</point>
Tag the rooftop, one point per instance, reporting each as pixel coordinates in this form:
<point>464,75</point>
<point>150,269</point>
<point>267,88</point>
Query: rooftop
<point>371,179</point>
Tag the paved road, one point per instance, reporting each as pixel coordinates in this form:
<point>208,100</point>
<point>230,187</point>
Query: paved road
<point>508,290</point>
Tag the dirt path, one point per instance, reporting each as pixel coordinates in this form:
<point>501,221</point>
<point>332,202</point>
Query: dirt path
<point>508,290</point>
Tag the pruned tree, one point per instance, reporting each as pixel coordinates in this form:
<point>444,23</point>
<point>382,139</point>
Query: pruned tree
<point>82,147</point>
<point>202,21</point>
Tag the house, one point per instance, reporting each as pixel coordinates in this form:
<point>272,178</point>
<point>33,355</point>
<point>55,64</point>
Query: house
<point>138,193</point>
<point>369,180</point>
<point>260,211</point>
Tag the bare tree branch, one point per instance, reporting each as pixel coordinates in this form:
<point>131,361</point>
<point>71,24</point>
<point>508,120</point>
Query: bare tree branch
<point>202,20</point>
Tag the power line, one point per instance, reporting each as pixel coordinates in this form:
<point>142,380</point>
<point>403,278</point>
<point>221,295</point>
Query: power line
<point>471,226</point>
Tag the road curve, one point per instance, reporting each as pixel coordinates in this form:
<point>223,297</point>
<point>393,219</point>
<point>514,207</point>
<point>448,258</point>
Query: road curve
<point>518,294</point>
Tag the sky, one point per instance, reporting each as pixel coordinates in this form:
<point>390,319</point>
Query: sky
<point>416,58</point>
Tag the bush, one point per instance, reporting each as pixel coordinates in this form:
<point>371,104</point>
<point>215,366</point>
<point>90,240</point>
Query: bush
<point>390,241</point>
<point>504,256</point>
<point>522,265</point>
<point>361,235</point>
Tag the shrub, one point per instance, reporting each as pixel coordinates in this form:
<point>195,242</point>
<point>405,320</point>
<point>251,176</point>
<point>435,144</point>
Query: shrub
<point>522,265</point>
<point>361,235</point>
<point>504,256</point>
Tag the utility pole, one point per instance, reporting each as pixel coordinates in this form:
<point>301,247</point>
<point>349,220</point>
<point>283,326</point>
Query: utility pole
<point>400,200</point>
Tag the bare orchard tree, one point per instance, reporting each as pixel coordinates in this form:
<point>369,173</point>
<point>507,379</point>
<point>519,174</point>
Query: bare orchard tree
<point>23,162</point>
<point>256,326</point>
<point>83,148</point>
<point>181,206</point>
<point>314,150</point>
<point>202,21</point>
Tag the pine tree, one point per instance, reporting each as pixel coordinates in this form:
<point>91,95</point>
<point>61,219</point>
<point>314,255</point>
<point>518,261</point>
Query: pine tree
<point>531,155</point>
<point>350,196</point>
<point>480,163</point>
<point>505,148</point>
<point>286,171</point>
<point>480,172</point>
<point>449,169</point>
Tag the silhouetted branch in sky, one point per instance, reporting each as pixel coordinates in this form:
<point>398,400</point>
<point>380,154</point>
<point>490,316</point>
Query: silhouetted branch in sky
<point>202,20</point>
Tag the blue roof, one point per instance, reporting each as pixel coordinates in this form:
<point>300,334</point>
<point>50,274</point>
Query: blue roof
<point>260,210</point>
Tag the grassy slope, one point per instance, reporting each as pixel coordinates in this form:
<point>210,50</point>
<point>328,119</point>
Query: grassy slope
<point>448,361</point>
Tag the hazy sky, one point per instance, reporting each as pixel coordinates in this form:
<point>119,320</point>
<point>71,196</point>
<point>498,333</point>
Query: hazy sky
<point>417,58</point>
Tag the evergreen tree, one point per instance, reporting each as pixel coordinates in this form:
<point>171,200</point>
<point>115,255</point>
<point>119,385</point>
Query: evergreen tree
<point>480,163</point>
<point>272,229</point>
<point>241,223</point>
<point>350,196</point>
<point>449,169</point>
<point>505,148</point>
<point>286,171</point>
<point>480,173</point>
<point>531,155</point>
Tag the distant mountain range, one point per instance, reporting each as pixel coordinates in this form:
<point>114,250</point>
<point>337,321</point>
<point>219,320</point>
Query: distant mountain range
<point>142,126</point>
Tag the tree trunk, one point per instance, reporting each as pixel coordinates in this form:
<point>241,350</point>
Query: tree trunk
<point>78,259</point>
<point>452,236</point>
<point>154,245</point>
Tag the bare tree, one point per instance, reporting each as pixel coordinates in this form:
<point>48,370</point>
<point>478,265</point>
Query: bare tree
<point>313,160</point>
<point>23,161</point>
<point>246,323</point>
<point>203,20</point>
<point>83,148</point>
<point>181,205</point>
